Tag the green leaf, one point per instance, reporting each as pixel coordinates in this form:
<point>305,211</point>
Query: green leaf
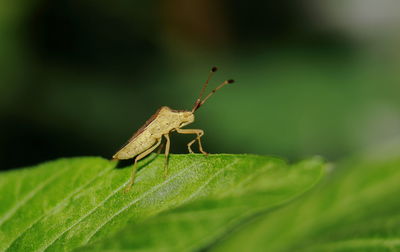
<point>68,203</point>
<point>201,224</point>
<point>357,208</point>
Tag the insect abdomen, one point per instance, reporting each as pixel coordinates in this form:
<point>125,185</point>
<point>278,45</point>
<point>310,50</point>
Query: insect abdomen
<point>140,144</point>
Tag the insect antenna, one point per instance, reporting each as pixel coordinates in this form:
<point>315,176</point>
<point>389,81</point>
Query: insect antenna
<point>198,105</point>
<point>198,101</point>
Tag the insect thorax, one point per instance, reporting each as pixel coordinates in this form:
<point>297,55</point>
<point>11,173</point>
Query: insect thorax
<point>169,119</point>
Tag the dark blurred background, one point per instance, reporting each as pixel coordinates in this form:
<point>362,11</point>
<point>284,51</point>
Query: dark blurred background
<point>78,78</point>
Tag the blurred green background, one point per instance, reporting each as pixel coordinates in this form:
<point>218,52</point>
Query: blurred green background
<point>312,77</point>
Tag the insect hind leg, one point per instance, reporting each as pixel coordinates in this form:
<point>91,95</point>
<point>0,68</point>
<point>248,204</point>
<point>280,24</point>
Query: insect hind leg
<point>134,168</point>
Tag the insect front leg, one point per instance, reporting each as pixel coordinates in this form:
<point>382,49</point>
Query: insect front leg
<point>137,158</point>
<point>199,134</point>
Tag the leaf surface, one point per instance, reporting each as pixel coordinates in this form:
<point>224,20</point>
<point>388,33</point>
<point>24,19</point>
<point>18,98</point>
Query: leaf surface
<point>200,225</point>
<point>69,203</point>
<point>356,208</point>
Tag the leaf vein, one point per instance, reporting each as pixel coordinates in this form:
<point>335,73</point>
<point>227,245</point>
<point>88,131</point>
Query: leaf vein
<point>57,206</point>
<point>195,193</point>
<point>30,195</point>
<point>155,188</point>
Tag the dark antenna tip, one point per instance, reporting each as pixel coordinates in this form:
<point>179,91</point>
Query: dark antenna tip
<point>214,69</point>
<point>230,81</point>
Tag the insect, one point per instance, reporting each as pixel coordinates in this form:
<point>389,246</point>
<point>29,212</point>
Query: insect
<point>164,121</point>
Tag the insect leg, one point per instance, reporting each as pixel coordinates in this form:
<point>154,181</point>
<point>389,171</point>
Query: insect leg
<point>167,145</point>
<point>199,134</point>
<point>138,157</point>
<point>160,148</point>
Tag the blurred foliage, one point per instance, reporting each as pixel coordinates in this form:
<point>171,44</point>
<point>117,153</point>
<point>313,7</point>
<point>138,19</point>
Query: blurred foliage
<point>356,208</point>
<point>78,78</point>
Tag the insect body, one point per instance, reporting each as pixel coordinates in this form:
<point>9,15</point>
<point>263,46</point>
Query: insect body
<point>164,121</point>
